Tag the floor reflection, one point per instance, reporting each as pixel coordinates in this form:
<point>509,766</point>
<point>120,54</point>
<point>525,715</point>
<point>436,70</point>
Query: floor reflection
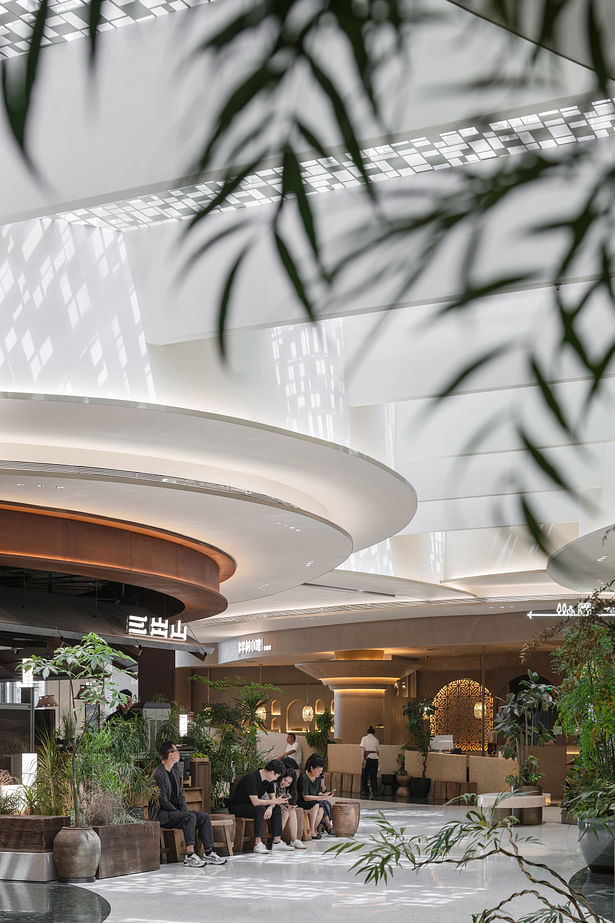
<point>597,889</point>
<point>34,902</point>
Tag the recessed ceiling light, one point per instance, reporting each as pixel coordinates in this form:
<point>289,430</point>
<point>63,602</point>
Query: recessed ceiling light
<point>40,485</point>
<point>602,558</point>
<point>20,483</point>
<point>59,487</point>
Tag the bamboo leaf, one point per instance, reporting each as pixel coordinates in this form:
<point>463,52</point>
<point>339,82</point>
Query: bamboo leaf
<point>18,87</point>
<point>94,18</point>
<point>294,275</point>
<point>344,123</point>
<point>543,462</point>
<point>225,300</point>
<point>468,370</point>
<point>550,399</point>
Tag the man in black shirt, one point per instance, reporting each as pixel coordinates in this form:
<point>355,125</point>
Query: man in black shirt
<point>172,811</point>
<point>125,712</point>
<point>255,797</point>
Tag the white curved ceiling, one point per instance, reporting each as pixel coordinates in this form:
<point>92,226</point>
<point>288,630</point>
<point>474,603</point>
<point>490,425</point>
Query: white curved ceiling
<point>284,506</point>
<point>587,563</point>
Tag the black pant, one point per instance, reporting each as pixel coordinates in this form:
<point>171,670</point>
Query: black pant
<point>369,776</point>
<point>257,811</point>
<point>189,821</point>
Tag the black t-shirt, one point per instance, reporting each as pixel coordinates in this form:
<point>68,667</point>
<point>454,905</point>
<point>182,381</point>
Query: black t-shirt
<point>251,784</point>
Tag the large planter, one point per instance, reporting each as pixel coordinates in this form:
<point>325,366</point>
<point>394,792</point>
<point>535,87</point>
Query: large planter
<point>597,841</point>
<point>419,786</point>
<point>29,833</point>
<point>528,817</point>
<point>76,853</point>
<point>126,849</point>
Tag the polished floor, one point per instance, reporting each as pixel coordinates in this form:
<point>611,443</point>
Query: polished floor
<point>310,886</point>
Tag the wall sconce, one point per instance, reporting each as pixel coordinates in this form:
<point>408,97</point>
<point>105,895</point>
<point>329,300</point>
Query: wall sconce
<point>307,713</point>
<point>478,710</point>
<point>261,713</point>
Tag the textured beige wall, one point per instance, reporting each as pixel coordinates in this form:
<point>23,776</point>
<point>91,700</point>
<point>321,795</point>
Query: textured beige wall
<point>489,773</point>
<point>347,758</point>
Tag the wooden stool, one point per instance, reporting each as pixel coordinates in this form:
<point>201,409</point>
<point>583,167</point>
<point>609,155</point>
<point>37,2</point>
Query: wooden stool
<point>224,823</point>
<point>174,844</point>
<point>307,833</point>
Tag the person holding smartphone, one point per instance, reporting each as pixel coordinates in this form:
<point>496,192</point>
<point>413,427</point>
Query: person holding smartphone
<point>310,794</point>
<point>287,788</point>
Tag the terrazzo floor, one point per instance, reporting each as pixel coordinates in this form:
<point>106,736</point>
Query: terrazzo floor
<point>310,887</point>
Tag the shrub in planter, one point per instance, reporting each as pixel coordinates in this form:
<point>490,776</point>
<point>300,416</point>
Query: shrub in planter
<point>417,715</point>
<point>516,720</point>
<point>594,809</point>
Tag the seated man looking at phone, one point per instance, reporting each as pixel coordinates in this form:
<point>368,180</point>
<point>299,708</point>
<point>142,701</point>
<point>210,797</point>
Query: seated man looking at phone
<point>255,797</point>
<point>311,797</point>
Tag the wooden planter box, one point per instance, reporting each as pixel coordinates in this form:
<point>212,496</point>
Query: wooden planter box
<point>128,848</point>
<point>29,833</point>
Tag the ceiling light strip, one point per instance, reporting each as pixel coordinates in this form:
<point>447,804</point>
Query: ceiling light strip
<point>473,143</point>
<point>67,20</point>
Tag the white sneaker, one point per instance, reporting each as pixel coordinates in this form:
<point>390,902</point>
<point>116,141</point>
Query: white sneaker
<point>260,848</point>
<point>193,861</point>
<point>281,845</point>
<point>297,844</point>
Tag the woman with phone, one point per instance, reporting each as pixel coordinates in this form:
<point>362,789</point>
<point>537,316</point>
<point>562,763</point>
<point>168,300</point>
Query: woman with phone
<point>287,788</point>
<point>311,796</point>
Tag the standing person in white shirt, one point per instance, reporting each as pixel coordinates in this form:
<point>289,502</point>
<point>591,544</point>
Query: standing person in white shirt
<point>370,749</point>
<point>293,750</point>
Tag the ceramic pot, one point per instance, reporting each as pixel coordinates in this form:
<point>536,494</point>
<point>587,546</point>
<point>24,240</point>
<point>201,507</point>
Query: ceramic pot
<point>403,781</point>
<point>76,853</point>
<point>419,787</point>
<point>346,816</point>
<point>597,839</point>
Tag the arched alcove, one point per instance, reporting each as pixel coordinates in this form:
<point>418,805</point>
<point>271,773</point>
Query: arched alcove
<point>275,723</point>
<point>294,719</point>
<point>458,712</point>
<point>319,707</point>
<point>275,707</point>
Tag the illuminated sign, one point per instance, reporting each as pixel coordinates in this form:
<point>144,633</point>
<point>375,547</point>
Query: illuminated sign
<point>565,610</point>
<point>252,646</point>
<point>144,627</point>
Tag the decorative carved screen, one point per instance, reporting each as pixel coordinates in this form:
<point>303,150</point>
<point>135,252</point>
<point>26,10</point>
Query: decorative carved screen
<point>458,712</point>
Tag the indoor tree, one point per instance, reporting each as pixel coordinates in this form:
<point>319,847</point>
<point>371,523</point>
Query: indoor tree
<point>320,736</point>
<point>417,715</point>
<point>92,660</point>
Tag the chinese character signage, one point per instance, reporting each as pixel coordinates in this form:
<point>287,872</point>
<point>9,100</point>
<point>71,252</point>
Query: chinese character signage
<point>142,626</point>
<point>252,646</point>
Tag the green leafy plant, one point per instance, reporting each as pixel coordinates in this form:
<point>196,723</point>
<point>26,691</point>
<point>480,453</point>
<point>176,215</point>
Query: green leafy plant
<point>417,715</point>
<point>227,732</point>
<point>51,792</point>
<point>320,736</point>
<point>401,762</point>
<point>460,844</point>
<point>516,720</point>
<point>91,659</point>
<point>596,800</point>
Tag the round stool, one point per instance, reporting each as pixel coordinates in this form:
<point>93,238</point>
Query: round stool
<point>346,816</point>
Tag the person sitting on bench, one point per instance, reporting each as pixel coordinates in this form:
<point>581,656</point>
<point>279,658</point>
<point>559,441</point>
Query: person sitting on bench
<point>311,797</point>
<point>171,810</point>
<point>255,797</point>
<point>288,786</point>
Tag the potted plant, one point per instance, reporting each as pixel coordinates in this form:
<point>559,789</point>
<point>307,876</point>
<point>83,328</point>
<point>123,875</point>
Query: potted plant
<point>417,715</point>
<point>586,710</point>
<point>402,777</point>
<point>77,847</point>
<point>319,738</point>
<point>516,720</point>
